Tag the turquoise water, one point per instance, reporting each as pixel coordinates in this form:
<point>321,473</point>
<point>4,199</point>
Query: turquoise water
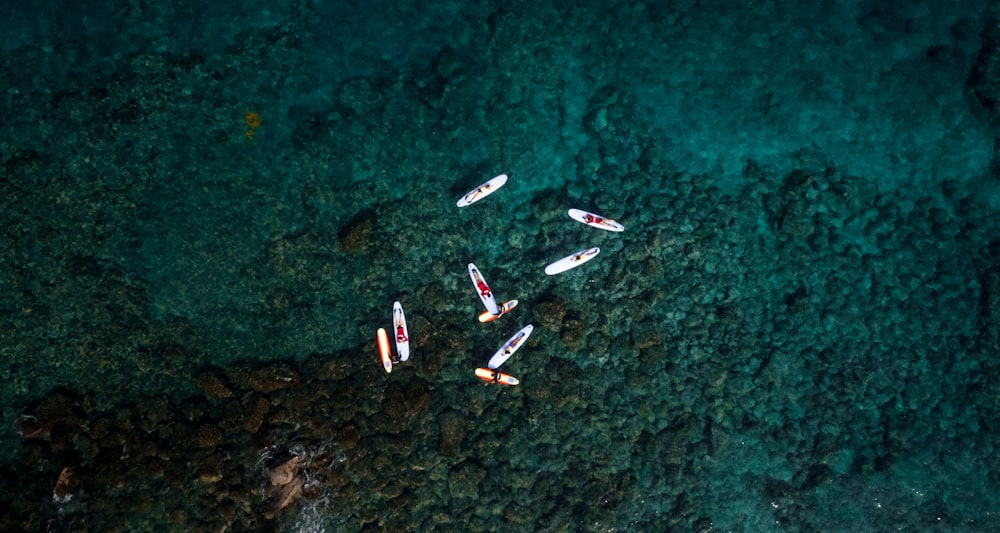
<point>209,210</point>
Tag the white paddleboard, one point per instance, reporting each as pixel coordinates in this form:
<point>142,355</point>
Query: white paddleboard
<point>509,347</point>
<point>482,191</point>
<point>402,334</point>
<point>596,221</point>
<point>572,261</point>
<point>483,290</point>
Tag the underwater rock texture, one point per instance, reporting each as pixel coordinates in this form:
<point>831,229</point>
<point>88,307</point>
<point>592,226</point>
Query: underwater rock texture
<point>796,331</point>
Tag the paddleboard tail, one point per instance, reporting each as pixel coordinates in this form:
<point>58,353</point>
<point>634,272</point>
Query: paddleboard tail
<point>507,307</point>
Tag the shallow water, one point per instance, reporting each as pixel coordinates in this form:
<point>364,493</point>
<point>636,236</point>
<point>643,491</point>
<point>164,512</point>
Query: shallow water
<point>209,210</point>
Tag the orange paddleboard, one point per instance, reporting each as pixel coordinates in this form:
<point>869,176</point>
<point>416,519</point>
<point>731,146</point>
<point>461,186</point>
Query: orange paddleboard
<point>507,306</point>
<point>383,349</point>
<point>493,376</point>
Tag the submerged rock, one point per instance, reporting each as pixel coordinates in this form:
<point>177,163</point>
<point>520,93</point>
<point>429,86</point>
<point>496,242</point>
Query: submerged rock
<point>265,379</point>
<point>358,232</point>
<point>549,313</point>
<point>56,408</point>
<point>213,385</point>
<point>452,434</point>
<point>272,378</point>
<point>256,415</point>
<point>67,483</point>
<point>209,436</point>
<point>210,470</point>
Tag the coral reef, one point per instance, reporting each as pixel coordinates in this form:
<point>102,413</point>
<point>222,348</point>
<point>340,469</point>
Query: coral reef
<point>797,330</point>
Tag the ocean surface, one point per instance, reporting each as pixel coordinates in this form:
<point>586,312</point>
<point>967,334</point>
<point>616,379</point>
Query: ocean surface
<point>209,209</point>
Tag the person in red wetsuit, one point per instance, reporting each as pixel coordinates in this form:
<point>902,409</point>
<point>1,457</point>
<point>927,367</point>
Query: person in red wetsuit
<point>591,219</point>
<point>483,288</point>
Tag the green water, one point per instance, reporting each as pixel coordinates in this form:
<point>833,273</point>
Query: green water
<point>208,212</point>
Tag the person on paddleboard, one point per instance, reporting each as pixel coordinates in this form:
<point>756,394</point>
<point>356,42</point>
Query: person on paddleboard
<point>484,289</point>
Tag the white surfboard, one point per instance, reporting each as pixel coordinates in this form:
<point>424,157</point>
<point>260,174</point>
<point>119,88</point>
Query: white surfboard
<point>596,221</point>
<point>482,191</point>
<point>509,347</point>
<point>483,290</point>
<point>572,261</point>
<point>402,334</point>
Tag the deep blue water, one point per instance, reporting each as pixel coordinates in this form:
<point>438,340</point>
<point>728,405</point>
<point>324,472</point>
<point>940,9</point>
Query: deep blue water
<point>209,210</point>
